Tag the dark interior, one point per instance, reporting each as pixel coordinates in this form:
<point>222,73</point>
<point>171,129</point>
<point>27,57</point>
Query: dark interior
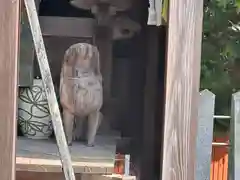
<point>131,58</point>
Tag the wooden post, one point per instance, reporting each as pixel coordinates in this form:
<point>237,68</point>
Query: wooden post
<point>147,172</point>
<point>204,135</point>
<point>234,155</point>
<point>104,42</point>
<point>49,88</point>
<point>9,46</point>
<point>182,89</point>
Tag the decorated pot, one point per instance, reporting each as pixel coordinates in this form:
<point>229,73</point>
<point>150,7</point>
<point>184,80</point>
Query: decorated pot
<point>33,112</point>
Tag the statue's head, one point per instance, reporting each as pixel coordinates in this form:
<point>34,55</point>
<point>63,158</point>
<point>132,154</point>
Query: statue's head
<point>82,56</point>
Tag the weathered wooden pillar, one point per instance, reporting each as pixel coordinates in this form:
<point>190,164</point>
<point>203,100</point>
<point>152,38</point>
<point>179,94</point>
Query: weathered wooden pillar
<point>9,45</point>
<point>182,89</point>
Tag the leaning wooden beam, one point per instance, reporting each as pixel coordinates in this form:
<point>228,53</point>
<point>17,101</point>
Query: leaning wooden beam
<point>204,135</point>
<point>182,89</point>
<point>9,45</point>
<point>49,88</point>
<point>234,154</point>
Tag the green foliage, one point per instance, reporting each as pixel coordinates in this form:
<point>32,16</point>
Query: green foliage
<point>221,53</point>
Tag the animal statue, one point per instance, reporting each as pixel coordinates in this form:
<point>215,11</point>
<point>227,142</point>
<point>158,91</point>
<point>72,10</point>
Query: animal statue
<point>81,92</point>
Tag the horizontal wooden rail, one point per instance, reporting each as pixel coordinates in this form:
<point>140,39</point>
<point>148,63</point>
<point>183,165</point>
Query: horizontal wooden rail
<point>220,144</point>
<point>221,117</point>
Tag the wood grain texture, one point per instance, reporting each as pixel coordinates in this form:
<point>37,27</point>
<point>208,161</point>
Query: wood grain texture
<point>204,135</point>
<point>182,89</point>
<point>107,177</point>
<point>60,176</point>
<point>81,93</point>
<point>43,156</point>
<point>49,88</point>
<point>26,175</point>
<point>9,45</point>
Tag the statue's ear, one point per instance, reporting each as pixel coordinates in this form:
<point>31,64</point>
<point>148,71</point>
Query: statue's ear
<point>70,57</point>
<point>66,57</point>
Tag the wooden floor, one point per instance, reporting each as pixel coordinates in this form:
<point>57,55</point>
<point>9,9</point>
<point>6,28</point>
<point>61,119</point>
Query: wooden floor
<point>59,176</point>
<point>43,156</point>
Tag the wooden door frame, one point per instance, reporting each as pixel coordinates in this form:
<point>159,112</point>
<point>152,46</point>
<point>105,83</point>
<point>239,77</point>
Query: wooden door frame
<point>9,45</point>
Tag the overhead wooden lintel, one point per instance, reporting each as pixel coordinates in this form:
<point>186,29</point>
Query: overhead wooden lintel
<point>67,26</point>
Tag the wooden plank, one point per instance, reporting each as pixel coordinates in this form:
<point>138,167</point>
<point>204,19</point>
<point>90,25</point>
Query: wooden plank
<point>9,45</point>
<point>107,177</point>
<point>26,175</point>
<point>204,135</point>
<point>182,89</point>
<point>84,27</point>
<point>234,153</point>
<point>43,156</point>
<point>60,176</point>
<point>67,26</point>
<point>49,88</point>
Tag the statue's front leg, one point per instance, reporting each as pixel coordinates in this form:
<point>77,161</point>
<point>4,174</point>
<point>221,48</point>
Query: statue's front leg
<point>68,120</point>
<point>78,132</point>
<point>94,121</point>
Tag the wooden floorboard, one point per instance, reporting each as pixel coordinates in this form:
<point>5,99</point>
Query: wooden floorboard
<point>43,156</point>
<point>59,176</point>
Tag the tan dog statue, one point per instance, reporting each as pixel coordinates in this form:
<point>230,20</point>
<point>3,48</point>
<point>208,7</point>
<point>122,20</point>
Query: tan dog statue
<point>81,93</point>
